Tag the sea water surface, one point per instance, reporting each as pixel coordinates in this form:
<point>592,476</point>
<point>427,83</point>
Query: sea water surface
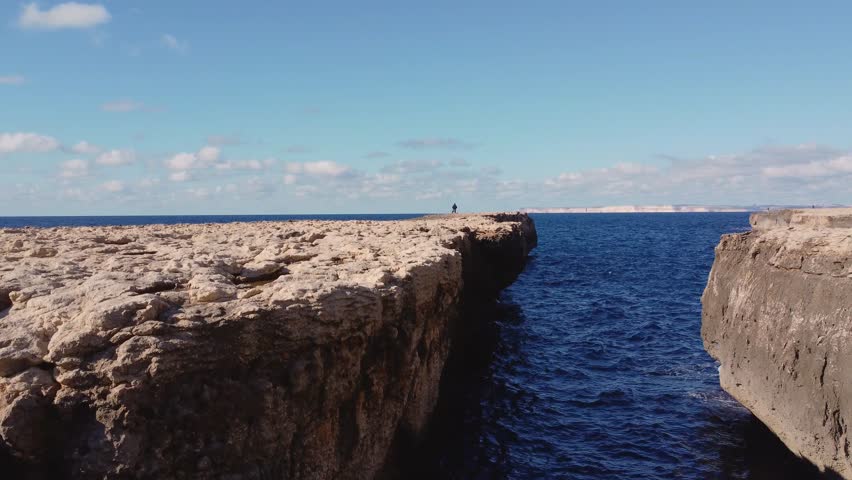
<point>590,366</point>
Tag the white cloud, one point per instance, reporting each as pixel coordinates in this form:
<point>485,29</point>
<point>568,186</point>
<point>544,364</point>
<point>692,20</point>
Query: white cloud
<point>124,105</point>
<point>209,154</point>
<point>777,174</point>
<point>76,194</point>
<point>200,192</point>
<point>246,165</point>
<point>816,168</point>
<point>205,157</point>
<point>171,42</point>
<point>74,168</point>
<point>180,176</point>
<point>12,80</point>
<point>323,168</point>
<point>435,143</point>
<point>85,148</point>
<point>424,180</point>
<point>413,166</point>
<point>114,158</point>
<point>113,186</point>
<point>810,169</point>
<point>64,15</point>
<point>26,142</point>
<point>209,158</point>
<point>182,161</point>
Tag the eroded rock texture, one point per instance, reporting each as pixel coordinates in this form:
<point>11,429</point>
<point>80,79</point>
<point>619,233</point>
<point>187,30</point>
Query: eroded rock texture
<point>299,350</point>
<point>777,314</point>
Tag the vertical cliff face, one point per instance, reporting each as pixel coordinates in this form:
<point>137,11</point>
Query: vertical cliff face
<point>299,350</point>
<point>777,315</point>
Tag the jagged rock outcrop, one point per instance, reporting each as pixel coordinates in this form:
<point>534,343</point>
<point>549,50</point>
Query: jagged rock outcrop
<point>299,350</point>
<point>777,315</point>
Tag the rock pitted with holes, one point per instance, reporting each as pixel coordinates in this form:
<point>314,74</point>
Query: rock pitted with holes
<point>262,350</point>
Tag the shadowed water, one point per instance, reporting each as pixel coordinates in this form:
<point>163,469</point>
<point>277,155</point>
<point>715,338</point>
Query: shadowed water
<point>591,365</point>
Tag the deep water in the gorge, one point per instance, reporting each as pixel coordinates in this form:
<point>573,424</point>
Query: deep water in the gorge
<point>591,366</point>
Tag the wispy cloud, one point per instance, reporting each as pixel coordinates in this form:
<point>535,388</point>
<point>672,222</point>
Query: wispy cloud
<point>98,38</point>
<point>205,157</point>
<point>113,186</point>
<point>115,158</point>
<point>26,142</point>
<point>840,165</point>
<point>422,180</point>
<point>774,174</point>
<point>374,155</point>
<point>297,149</point>
<point>323,168</point>
<point>85,148</point>
<point>74,168</point>
<point>180,176</point>
<point>222,140</point>
<point>64,15</point>
<point>413,166</point>
<point>191,165</point>
<point>124,105</point>
<point>435,143</point>
<point>12,80</point>
<point>171,42</point>
<point>245,164</point>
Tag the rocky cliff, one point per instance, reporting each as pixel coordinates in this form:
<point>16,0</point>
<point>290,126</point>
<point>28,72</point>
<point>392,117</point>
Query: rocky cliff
<point>299,350</point>
<point>777,315</point>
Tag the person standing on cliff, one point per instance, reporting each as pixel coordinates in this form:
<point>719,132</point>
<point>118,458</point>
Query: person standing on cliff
<point>455,207</point>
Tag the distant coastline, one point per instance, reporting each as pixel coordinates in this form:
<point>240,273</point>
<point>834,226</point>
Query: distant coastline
<point>665,208</point>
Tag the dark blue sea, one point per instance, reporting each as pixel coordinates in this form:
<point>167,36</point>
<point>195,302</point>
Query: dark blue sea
<point>590,366</point>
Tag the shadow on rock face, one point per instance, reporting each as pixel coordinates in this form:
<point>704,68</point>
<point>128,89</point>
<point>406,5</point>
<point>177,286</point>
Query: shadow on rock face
<point>757,454</point>
<point>454,446</point>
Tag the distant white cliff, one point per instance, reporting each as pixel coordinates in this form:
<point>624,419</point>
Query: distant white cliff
<point>642,209</point>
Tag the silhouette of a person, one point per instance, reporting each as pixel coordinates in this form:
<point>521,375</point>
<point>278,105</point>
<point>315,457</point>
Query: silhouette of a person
<point>455,207</point>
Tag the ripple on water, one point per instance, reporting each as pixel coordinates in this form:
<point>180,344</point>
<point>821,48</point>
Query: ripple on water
<point>591,366</point>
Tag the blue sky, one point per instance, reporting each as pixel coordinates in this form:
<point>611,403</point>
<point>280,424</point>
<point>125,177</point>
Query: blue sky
<point>123,107</point>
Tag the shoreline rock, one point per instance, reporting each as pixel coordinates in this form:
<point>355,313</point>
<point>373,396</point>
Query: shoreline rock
<point>265,350</point>
<point>777,315</point>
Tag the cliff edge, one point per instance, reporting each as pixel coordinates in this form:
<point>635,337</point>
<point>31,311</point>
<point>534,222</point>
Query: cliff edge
<point>777,315</point>
<point>300,350</point>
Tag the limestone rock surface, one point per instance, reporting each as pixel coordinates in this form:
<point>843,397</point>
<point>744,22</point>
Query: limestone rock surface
<point>299,350</point>
<point>777,315</point>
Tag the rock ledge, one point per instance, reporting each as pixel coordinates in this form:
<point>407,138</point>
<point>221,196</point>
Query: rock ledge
<point>244,350</point>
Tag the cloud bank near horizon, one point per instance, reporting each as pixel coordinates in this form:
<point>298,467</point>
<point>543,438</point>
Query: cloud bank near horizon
<point>84,177</point>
